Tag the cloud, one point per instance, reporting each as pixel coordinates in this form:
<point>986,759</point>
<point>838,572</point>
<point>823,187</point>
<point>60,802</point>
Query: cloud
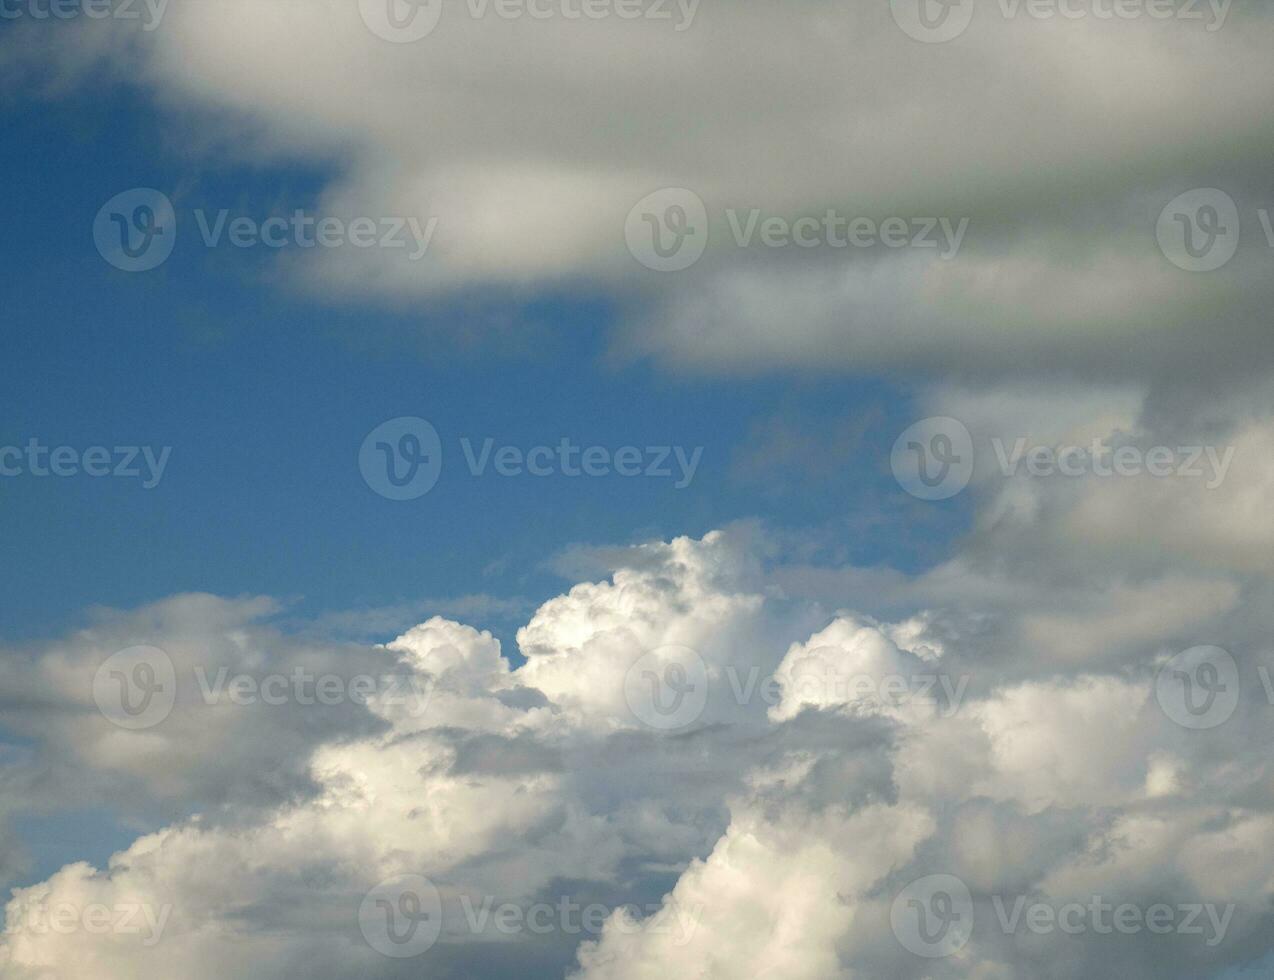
<point>734,735</point>
<point>770,831</point>
<point>1059,141</point>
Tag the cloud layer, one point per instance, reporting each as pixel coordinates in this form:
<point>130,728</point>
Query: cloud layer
<point>1055,143</point>
<point>739,760</point>
<point>1001,728</point>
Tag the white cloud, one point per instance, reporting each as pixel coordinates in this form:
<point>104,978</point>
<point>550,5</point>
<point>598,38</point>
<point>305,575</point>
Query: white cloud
<point>779,832</point>
<point>783,816</point>
<point>530,139</point>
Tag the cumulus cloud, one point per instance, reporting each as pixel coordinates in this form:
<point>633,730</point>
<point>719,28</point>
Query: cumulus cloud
<point>769,832</point>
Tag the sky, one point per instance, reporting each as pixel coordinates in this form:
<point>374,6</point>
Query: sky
<point>265,395</point>
<point>605,490</point>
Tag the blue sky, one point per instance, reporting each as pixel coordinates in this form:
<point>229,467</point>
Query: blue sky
<point>265,398</point>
